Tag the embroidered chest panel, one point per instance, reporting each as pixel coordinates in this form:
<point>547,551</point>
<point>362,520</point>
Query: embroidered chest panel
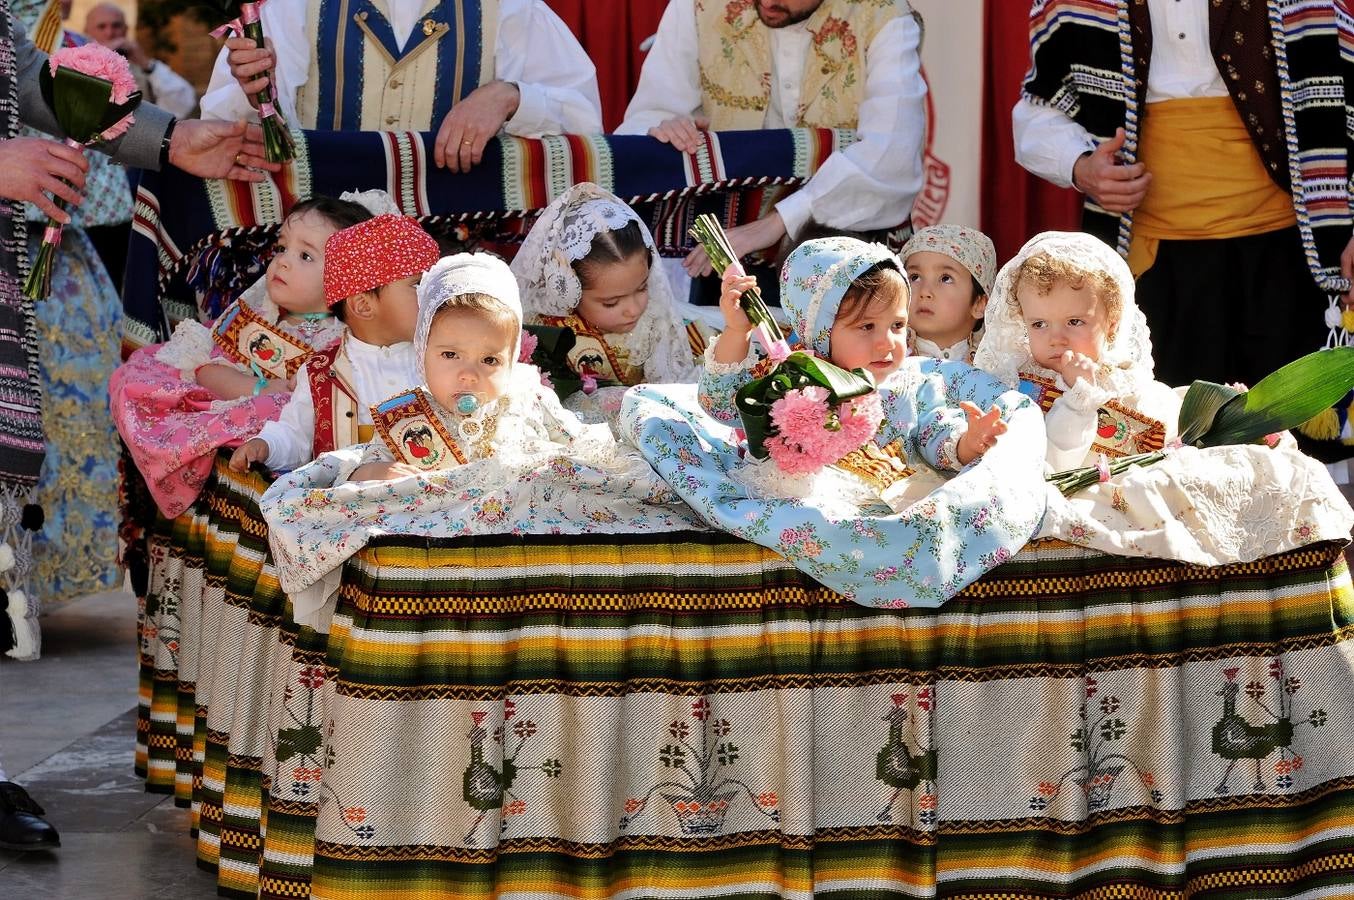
<point>249,339</point>
<point>1120,431</point>
<point>415,434</point>
<point>592,355</point>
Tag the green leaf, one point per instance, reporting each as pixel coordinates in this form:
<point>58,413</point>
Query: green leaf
<point>1283,400</point>
<point>799,370</point>
<point>79,102</point>
<point>1200,407</point>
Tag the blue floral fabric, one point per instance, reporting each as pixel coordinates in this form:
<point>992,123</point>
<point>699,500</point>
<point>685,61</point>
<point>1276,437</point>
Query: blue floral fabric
<point>920,557</point>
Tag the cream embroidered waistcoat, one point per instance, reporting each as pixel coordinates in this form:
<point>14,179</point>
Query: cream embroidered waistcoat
<point>735,62</point>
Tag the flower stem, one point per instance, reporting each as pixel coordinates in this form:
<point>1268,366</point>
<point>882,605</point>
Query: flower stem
<point>710,235</point>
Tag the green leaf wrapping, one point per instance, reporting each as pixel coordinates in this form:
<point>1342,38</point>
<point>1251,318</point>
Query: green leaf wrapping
<point>79,101</point>
<point>551,356</point>
<point>1215,415</point>
<point>1282,400</point>
<point>799,370</point>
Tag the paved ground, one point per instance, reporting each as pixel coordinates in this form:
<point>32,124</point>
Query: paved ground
<point>67,730</point>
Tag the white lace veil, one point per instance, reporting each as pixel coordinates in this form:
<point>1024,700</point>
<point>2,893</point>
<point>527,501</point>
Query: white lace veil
<point>1126,368</point>
<point>375,201</point>
<point>550,287</point>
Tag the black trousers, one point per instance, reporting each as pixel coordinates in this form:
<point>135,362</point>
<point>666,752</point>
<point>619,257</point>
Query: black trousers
<point>1233,309</point>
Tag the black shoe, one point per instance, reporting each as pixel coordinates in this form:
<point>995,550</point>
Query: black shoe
<point>21,824</point>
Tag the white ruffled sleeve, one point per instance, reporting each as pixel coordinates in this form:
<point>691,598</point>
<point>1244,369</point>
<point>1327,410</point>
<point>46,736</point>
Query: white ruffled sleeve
<point>188,348</point>
<point>1071,424</point>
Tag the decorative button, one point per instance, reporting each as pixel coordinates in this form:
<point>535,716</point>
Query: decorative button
<point>1181,35</point>
<point>391,120</point>
<point>349,414</point>
<point>428,27</point>
<point>395,82</point>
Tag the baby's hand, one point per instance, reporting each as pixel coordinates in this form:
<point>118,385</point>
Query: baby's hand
<point>1076,366</point>
<point>983,430</point>
<point>254,450</point>
<point>280,385</point>
<point>733,284</point>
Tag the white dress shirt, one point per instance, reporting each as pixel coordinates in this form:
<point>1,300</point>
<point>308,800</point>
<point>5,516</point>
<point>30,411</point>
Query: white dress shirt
<point>534,50</point>
<point>870,184</point>
<point>958,352</point>
<point>380,373</point>
<point>1048,143</point>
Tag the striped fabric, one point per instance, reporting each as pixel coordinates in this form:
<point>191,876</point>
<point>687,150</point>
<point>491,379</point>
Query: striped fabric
<point>687,713</point>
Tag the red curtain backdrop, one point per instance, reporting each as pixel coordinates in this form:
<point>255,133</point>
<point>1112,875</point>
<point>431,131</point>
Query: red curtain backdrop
<point>1015,204</point>
<point>611,32</point>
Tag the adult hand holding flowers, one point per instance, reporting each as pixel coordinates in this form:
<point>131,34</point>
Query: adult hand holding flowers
<point>233,150</point>
<point>31,168</point>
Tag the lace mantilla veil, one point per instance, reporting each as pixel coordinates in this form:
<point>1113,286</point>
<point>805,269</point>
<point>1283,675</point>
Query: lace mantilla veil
<point>1126,368</point>
<point>550,287</point>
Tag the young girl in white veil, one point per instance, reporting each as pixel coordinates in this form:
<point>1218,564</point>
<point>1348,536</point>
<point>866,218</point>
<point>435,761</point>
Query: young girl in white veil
<point>1064,328</point>
<point>589,264</point>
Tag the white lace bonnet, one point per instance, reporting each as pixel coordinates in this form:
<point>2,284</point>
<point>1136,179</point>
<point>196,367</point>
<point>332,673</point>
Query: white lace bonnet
<point>452,276</point>
<point>1005,349</point>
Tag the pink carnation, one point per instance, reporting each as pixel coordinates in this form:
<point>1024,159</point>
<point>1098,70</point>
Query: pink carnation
<point>528,347</point>
<point>803,444</point>
<point>97,61</point>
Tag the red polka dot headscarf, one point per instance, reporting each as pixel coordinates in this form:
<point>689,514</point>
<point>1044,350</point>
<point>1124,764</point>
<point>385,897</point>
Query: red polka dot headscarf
<point>374,253</point>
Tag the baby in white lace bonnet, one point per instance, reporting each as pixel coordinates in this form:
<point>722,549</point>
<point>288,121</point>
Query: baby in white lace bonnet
<point>1063,327</point>
<point>589,265</point>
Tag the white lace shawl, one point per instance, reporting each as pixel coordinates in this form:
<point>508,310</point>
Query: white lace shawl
<point>550,287</point>
<point>1126,368</point>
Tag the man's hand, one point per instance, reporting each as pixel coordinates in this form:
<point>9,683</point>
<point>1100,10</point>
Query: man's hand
<point>682,132</point>
<point>132,50</point>
<point>744,239</point>
<point>1116,187</point>
<point>231,150</point>
<point>31,168</point>
<point>983,430</point>
<point>1347,270</point>
<point>472,122</point>
<point>249,64</point>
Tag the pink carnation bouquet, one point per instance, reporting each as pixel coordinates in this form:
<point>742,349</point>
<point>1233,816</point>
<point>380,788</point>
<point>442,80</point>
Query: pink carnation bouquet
<point>93,95</point>
<point>807,413</point>
<point>811,433</point>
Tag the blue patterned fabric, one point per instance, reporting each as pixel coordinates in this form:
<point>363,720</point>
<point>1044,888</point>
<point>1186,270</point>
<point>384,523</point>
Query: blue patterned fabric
<point>919,557</point>
<point>78,348</point>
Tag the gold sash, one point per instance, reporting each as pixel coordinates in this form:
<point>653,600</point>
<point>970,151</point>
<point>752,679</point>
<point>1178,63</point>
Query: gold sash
<point>1208,181</point>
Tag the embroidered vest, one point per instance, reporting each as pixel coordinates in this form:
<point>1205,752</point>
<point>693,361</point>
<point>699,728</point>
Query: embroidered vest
<point>735,62</point>
<point>333,391</point>
<point>1119,431</point>
<point>362,80</point>
<point>592,355</point>
<point>415,434</point>
<point>1283,67</point>
<point>249,339</point>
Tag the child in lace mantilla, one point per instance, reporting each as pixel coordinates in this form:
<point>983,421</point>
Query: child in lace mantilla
<point>1064,327</point>
<point>589,265</point>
